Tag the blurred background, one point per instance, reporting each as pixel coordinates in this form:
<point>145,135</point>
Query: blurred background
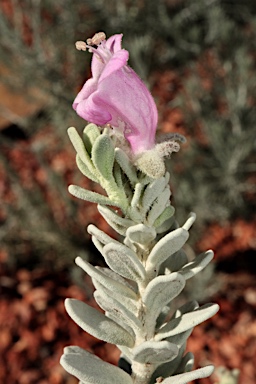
<point>198,59</point>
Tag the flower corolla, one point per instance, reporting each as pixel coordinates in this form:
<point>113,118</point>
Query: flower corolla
<point>115,94</point>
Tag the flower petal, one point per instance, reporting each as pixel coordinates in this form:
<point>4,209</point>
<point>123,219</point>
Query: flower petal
<point>116,95</point>
<point>89,87</point>
<point>131,106</point>
<point>117,61</point>
<point>93,110</point>
<point>114,43</point>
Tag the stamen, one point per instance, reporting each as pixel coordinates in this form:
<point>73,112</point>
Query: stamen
<point>81,46</point>
<point>101,52</point>
<point>96,39</point>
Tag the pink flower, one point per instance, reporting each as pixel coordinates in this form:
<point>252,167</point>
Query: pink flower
<point>116,95</point>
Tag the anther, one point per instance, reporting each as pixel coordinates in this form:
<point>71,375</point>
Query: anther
<point>96,39</point>
<point>81,46</point>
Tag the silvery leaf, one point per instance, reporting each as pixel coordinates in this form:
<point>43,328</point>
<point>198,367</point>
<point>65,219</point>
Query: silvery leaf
<point>109,304</point>
<point>151,193</point>
<point>90,133</point>
<point>118,320</point>
<point>130,245</point>
<point>112,284</point>
<point>155,352</point>
<point>167,246</point>
<point>118,176</point>
<point>85,170</point>
<point>190,221</point>
<point>124,261</point>
<point>185,378</point>
<point>158,206</point>
<point>103,155</point>
<point>90,369</point>
<point>162,316</point>
<point>187,321</point>
<point>93,197</point>
<point>117,277</point>
<point>174,263</point>
<point>80,148</point>
<point>124,162</point>
<point>100,235</point>
<point>169,368</point>
<point>118,223</point>
<point>160,291</point>
<point>131,304</point>
<point>181,338</point>
<point>187,363</point>
<point>185,308</point>
<point>195,266</point>
<point>97,324</point>
<point>97,244</point>
<point>141,234</point>
<point>165,220</point>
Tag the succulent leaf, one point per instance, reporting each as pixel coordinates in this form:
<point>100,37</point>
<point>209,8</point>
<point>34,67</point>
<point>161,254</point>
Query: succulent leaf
<point>97,324</point>
<point>160,291</point>
<point>159,206</point>
<point>90,369</point>
<point>93,197</point>
<point>105,280</point>
<point>185,378</point>
<point>85,170</point>
<point>125,164</point>
<point>90,133</point>
<point>118,223</point>
<point>167,246</point>
<point>186,321</point>
<point>141,234</point>
<point>124,261</point>
<point>103,156</point>
<point>155,352</point>
<point>201,261</point>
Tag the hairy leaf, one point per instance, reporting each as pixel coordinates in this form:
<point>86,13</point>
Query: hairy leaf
<point>169,368</point>
<point>90,369</point>
<point>124,162</point>
<point>97,324</point>
<point>124,261</point>
<point>118,223</point>
<point>155,352</point>
<point>159,206</point>
<point>165,220</point>
<point>167,246</point>
<point>85,170</point>
<point>187,320</point>
<point>152,192</point>
<point>100,235</point>
<point>103,156</point>
<point>185,378</point>
<point>80,147</point>
<point>107,281</point>
<point>175,262</point>
<point>187,363</point>
<point>160,291</point>
<point>90,133</point>
<point>93,197</point>
<point>197,265</point>
<point>140,233</point>
<point>109,304</point>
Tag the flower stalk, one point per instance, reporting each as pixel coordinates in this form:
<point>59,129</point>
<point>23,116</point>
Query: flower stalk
<point>147,268</point>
